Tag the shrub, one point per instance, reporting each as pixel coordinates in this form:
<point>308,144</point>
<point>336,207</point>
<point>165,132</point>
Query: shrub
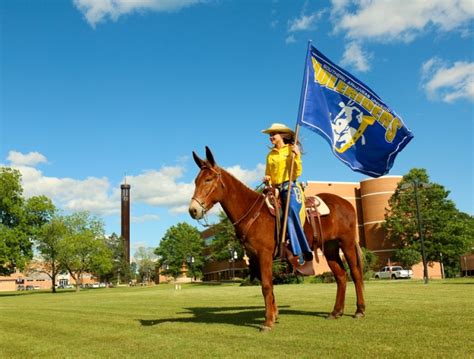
<point>326,277</point>
<point>246,282</point>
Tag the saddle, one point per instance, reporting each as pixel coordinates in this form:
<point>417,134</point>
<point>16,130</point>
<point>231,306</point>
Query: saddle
<point>315,208</point>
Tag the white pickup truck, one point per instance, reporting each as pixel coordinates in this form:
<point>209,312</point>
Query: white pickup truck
<point>393,272</point>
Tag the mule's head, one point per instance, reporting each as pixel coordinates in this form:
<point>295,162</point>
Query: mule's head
<point>209,186</point>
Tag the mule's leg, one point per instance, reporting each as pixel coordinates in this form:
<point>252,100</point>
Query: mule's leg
<point>275,307</point>
<point>331,252</point>
<point>267,291</point>
<point>350,252</point>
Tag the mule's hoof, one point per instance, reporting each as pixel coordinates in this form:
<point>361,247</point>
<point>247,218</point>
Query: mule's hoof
<point>359,315</point>
<point>334,316</point>
<point>265,329</point>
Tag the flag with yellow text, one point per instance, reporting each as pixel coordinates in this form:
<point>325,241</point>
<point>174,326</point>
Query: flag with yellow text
<point>362,130</point>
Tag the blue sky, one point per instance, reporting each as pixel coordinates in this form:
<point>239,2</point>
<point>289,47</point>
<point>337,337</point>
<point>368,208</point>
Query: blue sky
<point>94,90</point>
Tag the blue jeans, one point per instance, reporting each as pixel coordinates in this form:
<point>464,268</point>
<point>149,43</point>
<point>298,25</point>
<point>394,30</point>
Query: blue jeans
<point>295,232</point>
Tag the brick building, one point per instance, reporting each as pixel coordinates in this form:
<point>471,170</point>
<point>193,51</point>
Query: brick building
<point>33,278</point>
<point>370,199</point>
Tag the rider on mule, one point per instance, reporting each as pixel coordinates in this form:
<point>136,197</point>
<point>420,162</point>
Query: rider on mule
<point>277,175</point>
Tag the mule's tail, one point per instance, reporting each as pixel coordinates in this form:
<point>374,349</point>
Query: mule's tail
<point>360,260</point>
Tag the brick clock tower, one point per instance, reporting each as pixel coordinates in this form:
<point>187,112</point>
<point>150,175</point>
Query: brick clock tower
<point>125,189</point>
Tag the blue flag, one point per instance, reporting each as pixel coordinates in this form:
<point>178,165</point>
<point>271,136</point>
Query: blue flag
<point>362,130</point>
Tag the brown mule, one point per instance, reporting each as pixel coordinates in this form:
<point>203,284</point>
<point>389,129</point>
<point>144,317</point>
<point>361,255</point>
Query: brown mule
<point>255,227</point>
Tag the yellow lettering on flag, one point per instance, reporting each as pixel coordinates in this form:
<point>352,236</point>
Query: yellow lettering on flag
<point>323,77</point>
<point>367,104</point>
<point>376,111</point>
<point>385,118</point>
<point>341,87</point>
<point>351,92</point>
<point>392,129</point>
<point>331,83</point>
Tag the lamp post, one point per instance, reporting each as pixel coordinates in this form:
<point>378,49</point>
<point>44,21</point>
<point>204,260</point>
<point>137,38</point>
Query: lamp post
<point>465,265</point>
<point>442,265</point>
<point>417,184</point>
<point>233,257</point>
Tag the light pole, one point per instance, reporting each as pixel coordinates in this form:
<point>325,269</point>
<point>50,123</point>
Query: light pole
<point>465,266</point>
<point>233,257</point>
<point>442,265</point>
<point>416,184</point>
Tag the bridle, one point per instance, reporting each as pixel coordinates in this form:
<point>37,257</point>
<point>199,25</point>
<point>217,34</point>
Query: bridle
<point>202,202</point>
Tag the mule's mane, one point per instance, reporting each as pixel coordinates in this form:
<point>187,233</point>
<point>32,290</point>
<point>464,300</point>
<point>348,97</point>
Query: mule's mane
<point>239,196</point>
<point>238,181</point>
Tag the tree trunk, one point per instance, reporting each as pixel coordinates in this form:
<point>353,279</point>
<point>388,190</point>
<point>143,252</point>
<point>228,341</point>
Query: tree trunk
<point>53,277</point>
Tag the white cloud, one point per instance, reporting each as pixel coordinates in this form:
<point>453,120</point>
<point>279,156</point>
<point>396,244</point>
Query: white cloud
<point>91,194</point>
<point>247,176</point>
<point>156,188</point>
<point>161,188</point>
<point>304,22</point>
<point>180,209</point>
<point>290,39</point>
<point>164,188</point>
<point>356,57</point>
<point>394,20</point>
<point>29,159</point>
<point>96,11</point>
<point>448,83</point>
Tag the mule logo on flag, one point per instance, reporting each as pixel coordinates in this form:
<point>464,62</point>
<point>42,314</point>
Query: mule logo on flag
<point>362,130</point>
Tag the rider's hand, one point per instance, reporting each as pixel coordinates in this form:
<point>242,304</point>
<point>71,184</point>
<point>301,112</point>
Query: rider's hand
<point>295,149</point>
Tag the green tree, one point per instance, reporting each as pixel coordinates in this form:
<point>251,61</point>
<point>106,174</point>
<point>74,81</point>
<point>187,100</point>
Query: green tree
<point>179,243</point>
<point>225,240</point>
<point>48,243</point>
<point>447,232</point>
<point>84,249</point>
<point>133,271</point>
<point>407,257</point>
<point>20,221</point>
<point>370,262</point>
<point>146,260</point>
<point>38,210</point>
<point>120,271</point>
<point>11,197</point>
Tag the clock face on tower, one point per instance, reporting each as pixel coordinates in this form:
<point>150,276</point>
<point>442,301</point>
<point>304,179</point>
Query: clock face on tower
<point>125,196</point>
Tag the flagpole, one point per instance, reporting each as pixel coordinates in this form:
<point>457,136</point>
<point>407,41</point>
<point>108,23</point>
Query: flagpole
<point>297,131</point>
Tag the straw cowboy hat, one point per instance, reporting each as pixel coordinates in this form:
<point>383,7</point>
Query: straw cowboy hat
<point>278,128</point>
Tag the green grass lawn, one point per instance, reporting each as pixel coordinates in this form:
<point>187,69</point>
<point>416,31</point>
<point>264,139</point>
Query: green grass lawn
<point>404,319</point>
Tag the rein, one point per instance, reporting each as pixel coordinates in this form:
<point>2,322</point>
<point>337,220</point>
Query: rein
<point>250,209</point>
<point>249,224</point>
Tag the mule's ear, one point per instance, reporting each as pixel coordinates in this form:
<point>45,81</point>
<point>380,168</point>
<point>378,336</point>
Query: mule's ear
<point>198,161</point>
<point>210,157</point>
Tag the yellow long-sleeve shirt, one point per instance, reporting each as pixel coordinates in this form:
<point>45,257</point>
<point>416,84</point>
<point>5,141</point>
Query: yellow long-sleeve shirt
<point>279,163</point>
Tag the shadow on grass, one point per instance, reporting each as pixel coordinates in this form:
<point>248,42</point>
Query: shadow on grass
<point>241,316</point>
<point>456,283</point>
